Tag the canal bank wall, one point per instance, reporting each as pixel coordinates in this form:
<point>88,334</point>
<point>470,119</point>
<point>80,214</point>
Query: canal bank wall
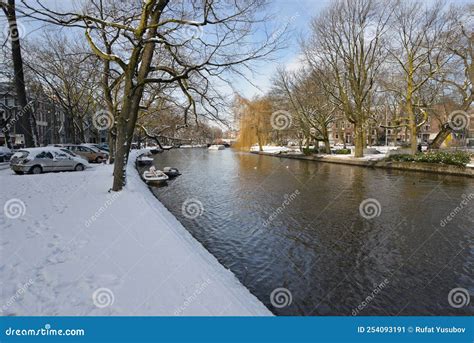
<point>377,163</point>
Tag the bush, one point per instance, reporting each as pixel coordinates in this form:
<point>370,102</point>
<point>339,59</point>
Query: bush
<point>310,151</point>
<point>342,152</point>
<point>458,158</point>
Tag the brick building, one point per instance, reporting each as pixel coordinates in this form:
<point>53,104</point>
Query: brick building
<point>342,132</point>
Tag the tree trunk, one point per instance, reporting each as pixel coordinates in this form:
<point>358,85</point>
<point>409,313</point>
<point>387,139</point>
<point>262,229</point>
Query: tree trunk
<point>125,126</point>
<point>359,140</point>
<point>27,124</point>
<point>140,60</point>
<point>441,137</point>
<point>111,141</point>
<point>120,164</point>
<point>259,139</point>
<point>121,143</point>
<point>413,130</point>
<point>327,145</point>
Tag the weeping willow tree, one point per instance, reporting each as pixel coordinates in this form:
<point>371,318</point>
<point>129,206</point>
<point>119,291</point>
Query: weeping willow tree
<point>254,120</point>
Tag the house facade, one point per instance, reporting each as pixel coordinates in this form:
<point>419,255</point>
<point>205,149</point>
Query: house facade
<point>342,132</point>
<point>49,119</point>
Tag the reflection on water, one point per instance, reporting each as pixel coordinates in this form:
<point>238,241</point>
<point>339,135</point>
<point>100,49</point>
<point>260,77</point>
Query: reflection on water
<point>317,245</point>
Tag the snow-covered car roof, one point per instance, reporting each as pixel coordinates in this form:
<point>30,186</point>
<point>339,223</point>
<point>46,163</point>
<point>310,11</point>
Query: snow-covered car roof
<point>4,149</point>
<point>36,151</point>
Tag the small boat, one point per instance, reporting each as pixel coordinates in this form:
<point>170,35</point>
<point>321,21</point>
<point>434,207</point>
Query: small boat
<point>216,147</point>
<point>156,151</point>
<point>171,172</point>
<point>154,175</point>
<point>143,160</point>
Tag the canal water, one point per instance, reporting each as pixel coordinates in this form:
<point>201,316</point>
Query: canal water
<point>296,235</point>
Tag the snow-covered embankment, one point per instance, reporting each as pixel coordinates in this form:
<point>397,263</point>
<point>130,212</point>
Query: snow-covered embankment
<point>69,247</point>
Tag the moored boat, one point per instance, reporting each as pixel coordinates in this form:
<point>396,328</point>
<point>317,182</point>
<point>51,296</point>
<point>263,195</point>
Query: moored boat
<point>171,172</point>
<point>216,147</point>
<point>156,150</point>
<point>154,175</point>
<point>144,160</point>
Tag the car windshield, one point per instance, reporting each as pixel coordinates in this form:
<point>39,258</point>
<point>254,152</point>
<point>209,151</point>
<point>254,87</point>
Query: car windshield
<point>20,154</point>
<point>93,148</point>
<point>69,152</point>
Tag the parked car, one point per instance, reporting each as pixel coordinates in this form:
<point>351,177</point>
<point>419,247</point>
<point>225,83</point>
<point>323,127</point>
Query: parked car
<point>95,147</point>
<point>103,146</point>
<point>89,153</point>
<point>69,152</point>
<point>47,159</point>
<point>5,154</point>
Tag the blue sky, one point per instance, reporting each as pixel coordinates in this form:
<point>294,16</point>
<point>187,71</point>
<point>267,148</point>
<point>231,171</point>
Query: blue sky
<point>297,13</point>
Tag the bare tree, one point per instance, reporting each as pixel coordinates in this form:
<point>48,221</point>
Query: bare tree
<point>185,43</point>
<point>307,98</point>
<point>346,50</point>
<point>458,74</point>
<point>70,77</point>
<point>417,49</point>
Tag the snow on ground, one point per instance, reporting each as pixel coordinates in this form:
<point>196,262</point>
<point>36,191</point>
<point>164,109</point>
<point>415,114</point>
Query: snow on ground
<point>368,157</point>
<point>278,149</point>
<point>68,247</point>
<point>275,149</point>
<point>383,151</point>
